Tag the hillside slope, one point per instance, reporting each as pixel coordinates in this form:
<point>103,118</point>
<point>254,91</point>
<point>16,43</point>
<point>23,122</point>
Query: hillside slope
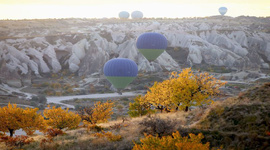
<point>241,122</point>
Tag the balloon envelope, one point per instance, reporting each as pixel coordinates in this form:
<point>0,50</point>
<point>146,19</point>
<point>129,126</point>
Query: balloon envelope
<point>120,72</point>
<point>136,15</point>
<point>151,45</point>
<point>123,15</point>
<point>222,10</point>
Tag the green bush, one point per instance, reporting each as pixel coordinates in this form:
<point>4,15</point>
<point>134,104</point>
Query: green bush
<point>38,99</point>
<point>139,108</point>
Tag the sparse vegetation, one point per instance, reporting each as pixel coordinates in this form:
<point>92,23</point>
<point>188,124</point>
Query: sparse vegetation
<point>108,135</point>
<point>210,127</point>
<point>237,123</point>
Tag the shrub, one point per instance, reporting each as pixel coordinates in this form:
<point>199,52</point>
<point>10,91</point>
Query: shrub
<point>108,135</point>
<point>58,93</point>
<point>118,126</point>
<point>174,142</point>
<point>51,133</point>
<point>45,84</point>
<point>158,126</point>
<point>120,107</point>
<point>230,140</point>
<point>55,85</point>
<point>94,127</point>
<point>139,107</point>
<point>17,141</point>
<point>40,99</point>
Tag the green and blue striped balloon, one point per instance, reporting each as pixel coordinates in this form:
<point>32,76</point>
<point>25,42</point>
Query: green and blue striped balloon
<point>120,72</point>
<point>151,45</point>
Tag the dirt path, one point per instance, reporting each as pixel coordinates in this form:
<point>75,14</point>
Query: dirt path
<point>59,99</point>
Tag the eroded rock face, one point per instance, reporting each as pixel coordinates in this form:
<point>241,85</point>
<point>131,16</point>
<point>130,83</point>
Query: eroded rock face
<point>93,61</point>
<point>82,48</point>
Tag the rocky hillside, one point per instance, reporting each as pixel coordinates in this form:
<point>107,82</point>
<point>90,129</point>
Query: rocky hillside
<point>38,47</point>
<point>241,122</point>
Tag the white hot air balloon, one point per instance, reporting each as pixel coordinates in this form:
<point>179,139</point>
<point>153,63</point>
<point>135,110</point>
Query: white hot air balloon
<point>123,15</point>
<point>136,15</point>
<point>222,10</point>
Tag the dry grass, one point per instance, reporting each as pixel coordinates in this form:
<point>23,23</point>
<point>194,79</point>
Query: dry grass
<point>236,123</point>
<point>82,139</point>
<point>2,146</point>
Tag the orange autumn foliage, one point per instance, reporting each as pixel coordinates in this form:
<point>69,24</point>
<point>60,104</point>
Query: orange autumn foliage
<point>17,141</point>
<point>183,90</point>
<point>101,112</point>
<point>60,118</point>
<point>13,118</point>
<point>174,142</point>
<point>33,121</point>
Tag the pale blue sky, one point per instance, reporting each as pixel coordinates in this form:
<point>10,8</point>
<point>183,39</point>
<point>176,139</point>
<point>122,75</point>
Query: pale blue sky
<point>20,9</point>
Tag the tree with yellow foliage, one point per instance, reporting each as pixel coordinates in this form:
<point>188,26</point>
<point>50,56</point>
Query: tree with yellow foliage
<point>139,107</point>
<point>174,142</point>
<point>60,118</point>
<point>13,118</point>
<point>101,112</point>
<point>183,90</point>
<point>33,121</point>
<point>160,95</point>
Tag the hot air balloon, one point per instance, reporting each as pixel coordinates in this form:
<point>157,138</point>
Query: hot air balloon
<point>222,10</point>
<point>120,72</point>
<point>151,45</point>
<point>123,15</point>
<point>136,15</point>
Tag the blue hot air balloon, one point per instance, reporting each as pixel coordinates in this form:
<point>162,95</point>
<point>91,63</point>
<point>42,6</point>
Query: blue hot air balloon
<point>136,15</point>
<point>123,15</point>
<point>120,72</point>
<point>151,45</point>
<point>222,10</point>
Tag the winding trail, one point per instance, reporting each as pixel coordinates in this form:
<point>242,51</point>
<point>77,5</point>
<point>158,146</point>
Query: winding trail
<point>59,99</point>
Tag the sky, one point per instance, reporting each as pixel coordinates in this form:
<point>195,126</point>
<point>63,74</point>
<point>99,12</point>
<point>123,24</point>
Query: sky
<point>40,9</point>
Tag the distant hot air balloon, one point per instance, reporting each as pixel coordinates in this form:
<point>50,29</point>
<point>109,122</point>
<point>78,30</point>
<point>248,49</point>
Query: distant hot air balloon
<point>136,15</point>
<point>123,15</point>
<point>120,72</point>
<point>151,45</point>
<point>222,10</point>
